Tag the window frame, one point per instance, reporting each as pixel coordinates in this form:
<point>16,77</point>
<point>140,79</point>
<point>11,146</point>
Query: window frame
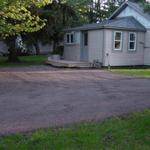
<point>129,41</point>
<point>85,38</point>
<point>71,38</point>
<point>115,49</point>
<point>67,38</point>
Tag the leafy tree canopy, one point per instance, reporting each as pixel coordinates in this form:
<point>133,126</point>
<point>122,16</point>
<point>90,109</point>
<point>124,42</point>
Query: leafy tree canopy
<point>145,4</point>
<point>16,16</point>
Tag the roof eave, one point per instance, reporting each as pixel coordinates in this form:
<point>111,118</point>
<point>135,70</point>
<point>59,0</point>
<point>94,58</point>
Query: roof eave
<point>125,29</point>
<point>122,7</point>
<point>83,29</point>
<point>107,27</point>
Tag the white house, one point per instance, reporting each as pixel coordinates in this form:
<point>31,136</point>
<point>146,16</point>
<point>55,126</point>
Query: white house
<point>122,40</point>
<point>44,49</point>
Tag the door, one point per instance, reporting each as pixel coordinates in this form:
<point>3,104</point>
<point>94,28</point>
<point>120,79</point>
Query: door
<point>84,48</point>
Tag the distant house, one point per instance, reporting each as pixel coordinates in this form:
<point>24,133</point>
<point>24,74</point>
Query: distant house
<point>3,48</point>
<point>44,49</point>
<point>122,40</point>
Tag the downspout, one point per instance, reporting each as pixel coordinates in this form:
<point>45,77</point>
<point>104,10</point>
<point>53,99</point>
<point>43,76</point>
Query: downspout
<point>81,45</point>
<point>108,60</point>
<point>103,48</point>
<point>105,56</point>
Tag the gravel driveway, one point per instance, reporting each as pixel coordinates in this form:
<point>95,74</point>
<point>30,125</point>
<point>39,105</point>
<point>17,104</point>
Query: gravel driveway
<point>39,99</point>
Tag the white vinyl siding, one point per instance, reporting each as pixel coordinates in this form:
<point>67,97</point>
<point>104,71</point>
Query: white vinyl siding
<point>125,57</point>
<point>95,45</point>
<point>72,51</point>
<point>147,48</point>
<point>128,11</point>
<point>3,48</point>
<point>132,41</point>
<point>70,38</point>
<point>117,40</point>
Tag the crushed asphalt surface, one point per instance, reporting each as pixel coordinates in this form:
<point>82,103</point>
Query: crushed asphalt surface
<point>33,98</point>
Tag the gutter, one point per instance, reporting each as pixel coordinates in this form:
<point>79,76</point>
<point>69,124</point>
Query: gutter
<point>106,27</point>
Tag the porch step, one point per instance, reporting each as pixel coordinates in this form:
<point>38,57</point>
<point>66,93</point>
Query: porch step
<point>68,64</point>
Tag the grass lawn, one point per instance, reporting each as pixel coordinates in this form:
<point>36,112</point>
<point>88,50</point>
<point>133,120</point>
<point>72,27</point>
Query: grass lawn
<point>133,72</point>
<point>24,61</point>
<point>130,133</point>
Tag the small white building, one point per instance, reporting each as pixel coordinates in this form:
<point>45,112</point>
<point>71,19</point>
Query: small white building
<point>122,40</point>
<point>3,48</point>
<point>44,49</point>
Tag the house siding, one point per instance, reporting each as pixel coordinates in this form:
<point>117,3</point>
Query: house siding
<point>44,49</point>
<point>101,44</point>
<point>147,48</point>
<point>123,57</point>
<point>95,45</point>
<point>72,51</point>
<point>3,48</point>
<point>128,11</point>
<point>145,22</point>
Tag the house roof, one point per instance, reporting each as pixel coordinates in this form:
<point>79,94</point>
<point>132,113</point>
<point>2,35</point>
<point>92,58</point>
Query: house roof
<point>124,23</point>
<point>136,6</point>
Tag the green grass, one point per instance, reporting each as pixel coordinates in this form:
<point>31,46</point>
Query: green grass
<point>24,61</point>
<point>130,133</point>
<point>133,72</point>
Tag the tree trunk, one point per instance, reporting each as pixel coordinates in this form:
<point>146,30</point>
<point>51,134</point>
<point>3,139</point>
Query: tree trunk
<point>12,57</point>
<point>37,48</point>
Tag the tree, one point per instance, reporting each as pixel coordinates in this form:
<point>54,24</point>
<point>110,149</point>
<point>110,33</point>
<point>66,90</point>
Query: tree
<point>102,9</point>
<point>67,13</point>
<point>146,6</point>
<point>16,17</point>
<point>58,14</point>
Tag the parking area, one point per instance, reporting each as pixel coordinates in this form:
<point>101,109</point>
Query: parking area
<point>36,99</point>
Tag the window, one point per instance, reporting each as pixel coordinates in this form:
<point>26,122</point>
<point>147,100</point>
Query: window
<point>132,41</point>
<point>117,40</point>
<point>70,38</point>
<point>85,39</point>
